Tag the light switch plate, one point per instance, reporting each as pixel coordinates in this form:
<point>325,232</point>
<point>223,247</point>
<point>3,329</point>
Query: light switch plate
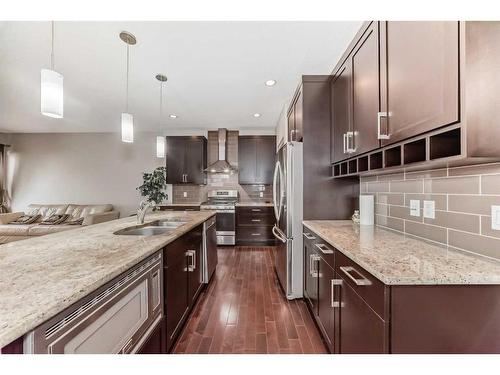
<point>495,217</point>
<point>185,194</point>
<point>414,207</point>
<point>429,209</point>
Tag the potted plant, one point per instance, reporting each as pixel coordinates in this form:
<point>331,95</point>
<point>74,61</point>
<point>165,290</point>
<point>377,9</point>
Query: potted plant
<point>154,185</point>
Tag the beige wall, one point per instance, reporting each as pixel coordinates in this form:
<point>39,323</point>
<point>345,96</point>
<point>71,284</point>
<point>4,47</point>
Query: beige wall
<point>463,198</point>
<point>79,168</point>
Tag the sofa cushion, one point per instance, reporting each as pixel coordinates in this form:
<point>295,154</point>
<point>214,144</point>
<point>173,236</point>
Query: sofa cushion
<point>40,229</point>
<point>46,210</point>
<point>77,211</point>
<point>15,230</point>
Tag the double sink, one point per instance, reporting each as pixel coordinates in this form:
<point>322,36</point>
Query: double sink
<point>154,228</point>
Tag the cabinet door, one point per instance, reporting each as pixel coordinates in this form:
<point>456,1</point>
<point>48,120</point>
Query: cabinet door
<point>291,124</point>
<point>366,92</point>
<point>176,152</point>
<point>361,330</point>
<point>310,276</point>
<point>176,288</point>
<point>326,311</point>
<point>421,76</point>
<point>154,344</point>
<point>196,151</point>
<point>341,112</point>
<point>195,271</point>
<point>247,160</point>
<point>298,118</point>
<point>266,159</point>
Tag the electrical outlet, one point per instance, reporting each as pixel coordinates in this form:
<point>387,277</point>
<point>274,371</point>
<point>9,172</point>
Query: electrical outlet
<point>261,194</point>
<point>429,209</point>
<point>185,194</point>
<point>495,217</point>
<point>414,207</point>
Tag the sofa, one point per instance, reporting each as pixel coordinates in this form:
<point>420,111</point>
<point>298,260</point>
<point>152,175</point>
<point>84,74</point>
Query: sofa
<point>91,214</point>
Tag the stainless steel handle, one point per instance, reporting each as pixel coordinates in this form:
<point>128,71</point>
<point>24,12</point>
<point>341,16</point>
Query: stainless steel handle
<point>280,236</point>
<point>192,264</point>
<point>315,260</point>
<point>379,117</point>
<point>255,234</point>
<point>361,281</point>
<point>350,148</point>
<point>345,142</point>
<point>324,249</point>
<point>308,236</point>
<point>275,192</point>
<point>256,220</point>
<point>256,209</point>
<point>310,264</point>
<point>334,283</point>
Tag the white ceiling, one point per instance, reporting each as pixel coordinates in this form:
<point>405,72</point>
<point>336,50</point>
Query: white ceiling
<point>216,72</point>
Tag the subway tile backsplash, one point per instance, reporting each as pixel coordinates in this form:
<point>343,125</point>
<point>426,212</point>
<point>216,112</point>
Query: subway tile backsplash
<point>463,198</point>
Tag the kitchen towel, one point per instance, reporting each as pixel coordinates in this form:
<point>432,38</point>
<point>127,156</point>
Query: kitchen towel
<point>366,209</point>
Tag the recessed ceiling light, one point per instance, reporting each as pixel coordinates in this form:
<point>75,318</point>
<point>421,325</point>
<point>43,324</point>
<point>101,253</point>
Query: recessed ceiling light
<point>270,82</point>
<point>173,116</point>
<point>256,115</point>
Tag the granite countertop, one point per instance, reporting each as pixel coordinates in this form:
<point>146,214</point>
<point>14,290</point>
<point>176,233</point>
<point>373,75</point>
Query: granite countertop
<point>40,277</point>
<point>398,259</point>
<point>254,204</point>
<point>181,204</point>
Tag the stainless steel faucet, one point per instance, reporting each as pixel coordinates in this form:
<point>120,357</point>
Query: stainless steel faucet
<point>143,208</point>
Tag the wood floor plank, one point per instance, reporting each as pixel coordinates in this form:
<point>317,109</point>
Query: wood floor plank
<point>245,311</point>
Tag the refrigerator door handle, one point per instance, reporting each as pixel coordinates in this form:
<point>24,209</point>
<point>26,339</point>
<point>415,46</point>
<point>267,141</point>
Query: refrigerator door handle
<point>279,234</point>
<point>276,197</point>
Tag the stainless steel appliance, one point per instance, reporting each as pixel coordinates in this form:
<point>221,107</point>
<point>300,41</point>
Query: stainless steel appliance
<point>287,199</point>
<point>224,202</point>
<point>209,249</point>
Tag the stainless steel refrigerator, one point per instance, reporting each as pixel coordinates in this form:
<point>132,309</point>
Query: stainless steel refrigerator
<point>287,199</point>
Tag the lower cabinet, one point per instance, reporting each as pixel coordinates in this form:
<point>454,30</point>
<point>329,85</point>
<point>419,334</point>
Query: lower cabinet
<point>183,280</point>
<point>254,225</point>
<point>326,311</point>
<point>155,341</point>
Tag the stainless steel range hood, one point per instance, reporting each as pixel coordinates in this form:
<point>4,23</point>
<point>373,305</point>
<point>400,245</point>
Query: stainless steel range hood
<point>221,165</point>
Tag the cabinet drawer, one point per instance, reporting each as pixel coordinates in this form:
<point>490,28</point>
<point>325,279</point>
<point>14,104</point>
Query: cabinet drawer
<point>255,210</point>
<point>257,219</point>
<point>254,234</point>
<point>367,286</point>
<point>321,247</point>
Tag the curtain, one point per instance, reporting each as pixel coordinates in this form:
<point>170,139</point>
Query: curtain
<point>4,195</point>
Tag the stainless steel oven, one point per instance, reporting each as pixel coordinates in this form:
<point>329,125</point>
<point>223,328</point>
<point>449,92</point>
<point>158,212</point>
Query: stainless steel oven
<point>223,202</point>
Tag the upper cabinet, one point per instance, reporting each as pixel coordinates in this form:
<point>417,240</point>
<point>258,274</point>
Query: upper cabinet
<point>419,75</point>
<point>295,118</point>
<point>256,159</point>
<point>397,80</point>
<point>186,160</point>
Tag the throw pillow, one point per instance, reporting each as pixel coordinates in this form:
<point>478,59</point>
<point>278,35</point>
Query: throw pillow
<point>54,219</point>
<point>78,221</point>
<point>25,219</point>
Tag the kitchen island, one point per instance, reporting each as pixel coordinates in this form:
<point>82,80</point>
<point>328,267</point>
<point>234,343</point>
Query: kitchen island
<point>41,277</point>
<point>373,290</point>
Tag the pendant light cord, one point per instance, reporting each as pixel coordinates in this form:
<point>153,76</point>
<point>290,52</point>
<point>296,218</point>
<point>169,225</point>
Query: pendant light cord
<point>128,58</point>
<point>161,100</point>
<point>52,48</point>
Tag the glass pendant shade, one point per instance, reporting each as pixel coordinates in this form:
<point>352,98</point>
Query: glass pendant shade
<point>127,128</point>
<point>51,93</point>
<point>160,147</point>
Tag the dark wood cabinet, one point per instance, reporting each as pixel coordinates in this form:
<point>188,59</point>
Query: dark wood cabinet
<point>256,159</point>
<point>420,76</point>
<point>326,311</point>
<point>295,118</point>
<point>182,278</point>
<point>361,330</point>
<point>311,259</point>
<point>186,160</point>
<point>341,89</point>
<point>154,343</point>
<point>254,225</point>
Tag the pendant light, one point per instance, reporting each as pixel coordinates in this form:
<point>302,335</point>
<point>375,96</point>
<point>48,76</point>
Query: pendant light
<point>127,118</point>
<point>51,88</point>
<point>160,140</point>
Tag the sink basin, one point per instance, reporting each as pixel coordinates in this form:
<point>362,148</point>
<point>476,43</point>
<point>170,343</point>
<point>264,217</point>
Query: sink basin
<point>154,228</point>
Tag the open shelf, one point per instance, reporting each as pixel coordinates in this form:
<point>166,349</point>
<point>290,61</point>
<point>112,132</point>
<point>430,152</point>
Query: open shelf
<point>336,170</point>
<point>414,151</point>
<point>343,168</point>
<point>363,164</point>
<point>393,156</point>
<point>353,166</point>
<point>376,160</point>
<point>445,144</point>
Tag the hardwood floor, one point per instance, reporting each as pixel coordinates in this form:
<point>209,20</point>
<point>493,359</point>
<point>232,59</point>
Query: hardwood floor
<point>244,311</point>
